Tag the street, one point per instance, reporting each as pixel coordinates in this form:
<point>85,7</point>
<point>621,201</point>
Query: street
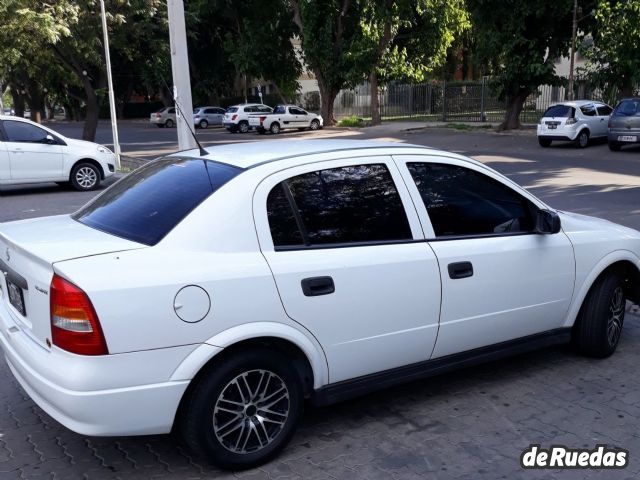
<point>473,423</point>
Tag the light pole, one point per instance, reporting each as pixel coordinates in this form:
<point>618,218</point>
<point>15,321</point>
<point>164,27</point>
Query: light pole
<point>112,100</point>
<point>573,47</point>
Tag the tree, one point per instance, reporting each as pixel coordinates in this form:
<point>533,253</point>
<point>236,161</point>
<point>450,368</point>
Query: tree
<point>406,39</point>
<point>330,32</point>
<point>613,54</point>
<point>519,41</point>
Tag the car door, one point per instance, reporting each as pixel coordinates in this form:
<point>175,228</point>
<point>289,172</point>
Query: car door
<point>592,120</point>
<point>604,111</point>
<point>299,117</point>
<point>34,154</point>
<point>345,247</point>
<point>500,280</point>
<point>218,116</point>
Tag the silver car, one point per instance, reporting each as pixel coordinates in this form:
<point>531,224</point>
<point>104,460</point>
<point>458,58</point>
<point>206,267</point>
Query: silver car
<point>203,117</point>
<point>164,118</point>
<point>624,124</point>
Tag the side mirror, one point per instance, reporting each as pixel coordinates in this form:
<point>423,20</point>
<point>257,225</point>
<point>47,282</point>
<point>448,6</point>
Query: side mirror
<point>50,140</point>
<point>547,222</point>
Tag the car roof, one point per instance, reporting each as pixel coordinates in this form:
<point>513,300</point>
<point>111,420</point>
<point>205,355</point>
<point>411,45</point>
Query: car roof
<point>576,103</point>
<point>252,154</point>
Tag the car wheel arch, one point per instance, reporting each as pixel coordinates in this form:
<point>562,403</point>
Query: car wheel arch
<point>87,160</point>
<point>621,261</point>
<point>285,338</point>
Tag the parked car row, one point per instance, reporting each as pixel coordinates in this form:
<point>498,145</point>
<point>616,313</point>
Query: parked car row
<point>582,120</point>
<point>245,117</point>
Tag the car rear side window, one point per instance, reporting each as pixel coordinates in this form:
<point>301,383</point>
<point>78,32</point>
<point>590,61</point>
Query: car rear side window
<point>463,202</point>
<point>355,204</point>
<point>560,111</point>
<point>232,109</point>
<point>147,204</point>
<point>588,110</point>
<point>628,108</point>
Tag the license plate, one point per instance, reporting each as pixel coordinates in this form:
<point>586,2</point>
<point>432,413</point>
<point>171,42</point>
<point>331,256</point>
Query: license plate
<point>16,298</point>
<point>254,121</point>
<point>628,138</point>
<point>552,127</point>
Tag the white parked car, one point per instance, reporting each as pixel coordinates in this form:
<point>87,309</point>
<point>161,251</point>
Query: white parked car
<point>236,119</point>
<point>340,268</point>
<point>165,117</point>
<point>33,153</point>
<point>284,117</point>
<point>576,121</point>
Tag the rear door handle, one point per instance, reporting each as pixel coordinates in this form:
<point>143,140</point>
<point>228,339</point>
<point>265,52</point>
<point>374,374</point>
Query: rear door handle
<point>460,270</point>
<point>315,286</point>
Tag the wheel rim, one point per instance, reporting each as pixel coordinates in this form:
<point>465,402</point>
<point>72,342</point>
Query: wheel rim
<point>314,125</point>
<point>251,411</point>
<point>583,139</point>
<point>244,128</point>
<point>275,128</point>
<point>616,316</point>
<point>204,124</point>
<point>169,124</point>
<point>86,177</point>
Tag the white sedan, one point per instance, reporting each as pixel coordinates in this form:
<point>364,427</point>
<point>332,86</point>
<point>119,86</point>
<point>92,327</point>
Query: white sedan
<point>32,153</point>
<point>279,272</point>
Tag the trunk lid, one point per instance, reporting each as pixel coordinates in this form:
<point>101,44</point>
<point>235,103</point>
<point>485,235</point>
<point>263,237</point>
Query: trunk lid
<point>28,251</point>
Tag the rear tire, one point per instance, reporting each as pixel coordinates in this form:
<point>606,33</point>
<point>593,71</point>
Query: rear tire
<point>242,411</point>
<point>203,124</point>
<point>614,146</point>
<point>544,142</point>
<point>582,140</point>
<point>85,177</point>
<point>168,123</point>
<point>275,128</point>
<point>243,127</point>
<point>601,317</point>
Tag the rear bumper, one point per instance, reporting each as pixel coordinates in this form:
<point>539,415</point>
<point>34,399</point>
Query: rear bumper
<point>556,137</point>
<point>613,136</point>
<point>122,394</point>
<point>565,132</point>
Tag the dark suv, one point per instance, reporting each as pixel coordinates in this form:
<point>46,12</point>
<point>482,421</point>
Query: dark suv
<point>624,124</point>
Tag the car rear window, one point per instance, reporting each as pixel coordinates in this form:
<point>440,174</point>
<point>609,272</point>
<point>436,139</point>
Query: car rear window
<point>627,108</point>
<point>232,109</point>
<point>561,111</point>
<point>147,204</point>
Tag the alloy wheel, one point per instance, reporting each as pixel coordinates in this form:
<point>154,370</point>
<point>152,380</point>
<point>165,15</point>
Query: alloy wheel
<point>86,177</point>
<point>616,316</point>
<point>251,411</point>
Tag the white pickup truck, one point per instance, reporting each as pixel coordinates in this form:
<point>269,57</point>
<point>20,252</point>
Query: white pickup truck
<point>285,116</point>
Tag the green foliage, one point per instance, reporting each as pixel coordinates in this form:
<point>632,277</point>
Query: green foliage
<point>613,54</point>
<point>352,121</point>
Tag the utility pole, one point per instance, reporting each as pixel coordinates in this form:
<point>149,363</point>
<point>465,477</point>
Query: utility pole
<point>112,100</point>
<point>573,47</point>
<point>180,71</point>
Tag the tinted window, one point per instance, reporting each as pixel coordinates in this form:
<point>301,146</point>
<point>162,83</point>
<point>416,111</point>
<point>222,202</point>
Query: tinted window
<point>628,108</point>
<point>171,110</point>
<point>347,204</point>
<point>219,110</point>
<point>250,109</point>
<point>588,110</point>
<point>280,109</point>
<point>562,111</point>
<point>24,132</point>
<point>464,202</point>
<point>265,109</point>
<point>210,110</point>
<point>282,222</point>
<point>196,110</point>
<point>145,205</point>
<point>604,110</point>
<point>297,111</point>
<point>232,109</point>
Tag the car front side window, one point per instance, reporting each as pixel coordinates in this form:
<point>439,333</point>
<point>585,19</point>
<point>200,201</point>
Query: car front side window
<point>464,202</point>
<point>24,132</point>
<point>345,205</point>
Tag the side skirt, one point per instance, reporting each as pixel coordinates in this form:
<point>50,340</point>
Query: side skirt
<point>337,392</point>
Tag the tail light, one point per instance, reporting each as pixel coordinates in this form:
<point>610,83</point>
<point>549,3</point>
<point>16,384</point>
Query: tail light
<point>571,121</point>
<point>74,324</point>
<point>157,115</point>
<point>234,117</point>
<point>196,117</point>
<point>262,119</point>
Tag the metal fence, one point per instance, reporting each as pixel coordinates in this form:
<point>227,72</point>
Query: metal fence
<point>472,101</point>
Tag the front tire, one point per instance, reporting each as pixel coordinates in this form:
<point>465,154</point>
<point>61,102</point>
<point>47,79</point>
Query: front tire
<point>315,125</point>
<point>544,142</point>
<point>168,123</point>
<point>203,124</point>
<point>582,140</point>
<point>85,177</point>
<point>244,410</point>
<point>601,316</point>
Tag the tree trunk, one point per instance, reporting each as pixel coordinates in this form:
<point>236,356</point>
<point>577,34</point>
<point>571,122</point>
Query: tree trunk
<point>627,87</point>
<point>327,97</point>
<point>36,102</point>
<point>514,107</point>
<point>376,119</point>
<point>18,103</point>
<point>91,119</point>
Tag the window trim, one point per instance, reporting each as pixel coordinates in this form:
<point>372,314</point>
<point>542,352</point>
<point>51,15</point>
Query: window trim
<point>263,189</point>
